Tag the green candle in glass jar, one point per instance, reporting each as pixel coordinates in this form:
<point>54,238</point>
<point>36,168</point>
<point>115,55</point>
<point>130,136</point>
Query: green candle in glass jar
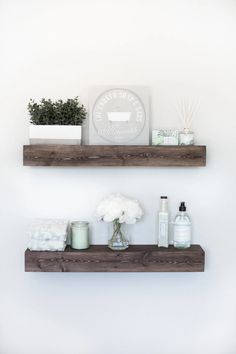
<point>80,235</point>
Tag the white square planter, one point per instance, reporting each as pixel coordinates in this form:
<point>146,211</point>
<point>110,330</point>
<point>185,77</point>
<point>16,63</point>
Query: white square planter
<point>55,134</point>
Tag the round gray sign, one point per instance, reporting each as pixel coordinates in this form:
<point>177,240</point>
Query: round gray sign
<point>118,115</point>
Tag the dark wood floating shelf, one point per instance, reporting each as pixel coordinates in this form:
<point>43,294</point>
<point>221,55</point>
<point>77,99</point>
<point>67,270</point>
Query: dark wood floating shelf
<point>99,258</point>
<point>114,155</point>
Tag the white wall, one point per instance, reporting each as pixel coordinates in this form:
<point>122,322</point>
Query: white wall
<point>58,49</point>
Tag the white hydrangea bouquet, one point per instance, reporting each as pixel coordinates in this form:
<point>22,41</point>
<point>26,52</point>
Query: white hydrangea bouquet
<point>119,210</point>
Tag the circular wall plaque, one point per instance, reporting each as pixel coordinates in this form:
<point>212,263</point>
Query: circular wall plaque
<point>118,115</point>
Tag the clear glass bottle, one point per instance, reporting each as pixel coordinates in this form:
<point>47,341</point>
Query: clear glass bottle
<point>182,228</point>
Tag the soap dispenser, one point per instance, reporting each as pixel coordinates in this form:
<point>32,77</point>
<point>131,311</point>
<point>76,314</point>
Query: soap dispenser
<point>182,228</point>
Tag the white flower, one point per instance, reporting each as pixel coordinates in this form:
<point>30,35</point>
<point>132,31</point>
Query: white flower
<point>118,207</point>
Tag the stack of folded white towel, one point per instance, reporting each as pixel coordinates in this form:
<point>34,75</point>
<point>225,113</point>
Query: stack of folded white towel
<point>48,235</point>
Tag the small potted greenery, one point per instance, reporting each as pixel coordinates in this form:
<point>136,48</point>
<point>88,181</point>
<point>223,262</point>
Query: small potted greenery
<point>56,122</point>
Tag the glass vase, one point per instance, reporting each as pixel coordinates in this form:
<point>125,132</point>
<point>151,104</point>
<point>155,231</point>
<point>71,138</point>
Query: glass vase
<point>118,242</point>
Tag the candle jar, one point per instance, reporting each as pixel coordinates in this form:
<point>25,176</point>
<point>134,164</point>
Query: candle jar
<point>80,235</point>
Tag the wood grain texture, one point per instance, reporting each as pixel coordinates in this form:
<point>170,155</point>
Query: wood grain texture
<point>113,155</point>
<point>98,258</point>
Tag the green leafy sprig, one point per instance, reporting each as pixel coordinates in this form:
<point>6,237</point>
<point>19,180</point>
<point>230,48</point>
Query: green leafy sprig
<point>47,112</point>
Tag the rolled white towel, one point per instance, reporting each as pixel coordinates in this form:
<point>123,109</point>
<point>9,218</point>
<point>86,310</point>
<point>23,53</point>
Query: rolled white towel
<point>36,245</point>
<point>49,229</point>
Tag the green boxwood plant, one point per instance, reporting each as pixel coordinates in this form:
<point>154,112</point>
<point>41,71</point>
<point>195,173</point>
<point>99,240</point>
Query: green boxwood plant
<point>60,112</point>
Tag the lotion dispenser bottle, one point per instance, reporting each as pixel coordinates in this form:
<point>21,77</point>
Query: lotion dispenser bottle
<point>182,228</point>
<point>163,221</point>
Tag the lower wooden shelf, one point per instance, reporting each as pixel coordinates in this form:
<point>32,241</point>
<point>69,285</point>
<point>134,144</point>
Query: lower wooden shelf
<point>99,258</point>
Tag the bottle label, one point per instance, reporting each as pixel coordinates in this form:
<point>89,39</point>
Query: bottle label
<point>182,233</point>
<point>170,140</point>
<point>163,231</point>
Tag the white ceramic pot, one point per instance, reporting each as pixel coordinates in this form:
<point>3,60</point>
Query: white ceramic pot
<point>55,134</point>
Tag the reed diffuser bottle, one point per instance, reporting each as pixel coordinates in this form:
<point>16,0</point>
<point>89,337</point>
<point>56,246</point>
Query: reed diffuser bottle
<point>186,112</point>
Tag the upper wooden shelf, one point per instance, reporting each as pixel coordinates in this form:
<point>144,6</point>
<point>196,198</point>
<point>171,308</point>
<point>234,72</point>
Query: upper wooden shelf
<point>99,258</point>
<point>114,155</point>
